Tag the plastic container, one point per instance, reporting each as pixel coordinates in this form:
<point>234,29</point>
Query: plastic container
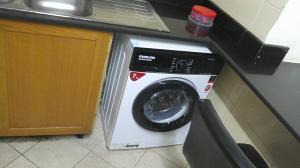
<point>203,14</point>
<point>200,20</point>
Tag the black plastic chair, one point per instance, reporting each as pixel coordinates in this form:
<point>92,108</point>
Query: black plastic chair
<point>209,144</point>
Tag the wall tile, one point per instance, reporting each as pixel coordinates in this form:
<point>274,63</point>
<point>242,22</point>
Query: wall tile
<point>256,142</point>
<point>278,3</point>
<point>250,121</point>
<point>283,148</point>
<point>228,6</point>
<point>224,98</point>
<point>229,85</point>
<point>246,11</point>
<point>265,20</point>
<point>219,105</point>
<point>257,114</point>
<point>228,119</point>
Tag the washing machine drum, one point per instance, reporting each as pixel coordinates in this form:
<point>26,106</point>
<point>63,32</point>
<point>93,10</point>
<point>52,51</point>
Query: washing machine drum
<point>165,105</point>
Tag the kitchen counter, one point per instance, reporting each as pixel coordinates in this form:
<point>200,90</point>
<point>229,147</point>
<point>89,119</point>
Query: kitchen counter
<point>276,84</point>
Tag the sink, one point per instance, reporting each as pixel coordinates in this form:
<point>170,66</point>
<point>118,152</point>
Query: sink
<point>65,7</point>
<point>132,13</point>
<point>5,1</point>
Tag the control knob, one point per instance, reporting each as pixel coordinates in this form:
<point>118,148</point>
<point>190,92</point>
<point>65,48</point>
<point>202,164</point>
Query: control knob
<point>181,65</point>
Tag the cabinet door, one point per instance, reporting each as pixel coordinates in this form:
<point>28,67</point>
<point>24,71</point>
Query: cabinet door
<point>50,78</point>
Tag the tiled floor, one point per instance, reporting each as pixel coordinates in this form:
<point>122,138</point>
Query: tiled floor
<point>89,152</point>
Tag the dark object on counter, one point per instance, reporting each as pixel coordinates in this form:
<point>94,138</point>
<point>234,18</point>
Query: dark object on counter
<point>197,29</point>
<point>200,20</point>
<point>209,144</point>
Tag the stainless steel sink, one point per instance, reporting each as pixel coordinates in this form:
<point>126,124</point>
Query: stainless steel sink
<point>5,1</point>
<point>66,7</point>
<point>132,13</point>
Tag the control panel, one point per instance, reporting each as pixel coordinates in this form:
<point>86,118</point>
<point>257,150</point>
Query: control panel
<point>169,61</point>
<point>181,65</point>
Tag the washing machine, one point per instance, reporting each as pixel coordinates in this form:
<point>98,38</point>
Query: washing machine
<point>150,90</point>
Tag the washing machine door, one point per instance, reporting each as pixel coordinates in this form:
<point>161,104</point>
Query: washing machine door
<point>165,105</point>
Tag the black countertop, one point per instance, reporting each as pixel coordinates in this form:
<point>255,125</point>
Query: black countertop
<point>277,84</point>
<point>280,92</point>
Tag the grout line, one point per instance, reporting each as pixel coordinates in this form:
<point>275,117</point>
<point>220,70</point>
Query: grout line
<point>11,161</point>
<point>140,158</point>
<point>30,161</point>
<point>165,157</point>
<point>78,141</point>
<point>276,7</point>
<point>103,159</point>
<point>81,159</point>
<point>21,154</point>
<point>22,142</point>
<point>235,8</point>
<point>31,147</point>
<point>14,148</point>
<point>257,14</point>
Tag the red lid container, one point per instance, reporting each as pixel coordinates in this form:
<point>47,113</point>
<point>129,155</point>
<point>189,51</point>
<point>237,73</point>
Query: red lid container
<point>200,20</point>
<point>203,14</point>
<point>204,11</point>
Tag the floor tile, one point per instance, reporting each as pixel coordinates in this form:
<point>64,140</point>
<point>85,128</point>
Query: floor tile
<point>93,161</point>
<point>173,154</point>
<point>58,152</point>
<point>151,159</point>
<point>90,141</point>
<point>120,158</point>
<point>21,162</point>
<point>22,144</point>
<point>7,154</point>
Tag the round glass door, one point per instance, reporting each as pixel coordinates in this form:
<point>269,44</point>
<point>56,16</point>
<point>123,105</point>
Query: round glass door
<point>165,106</point>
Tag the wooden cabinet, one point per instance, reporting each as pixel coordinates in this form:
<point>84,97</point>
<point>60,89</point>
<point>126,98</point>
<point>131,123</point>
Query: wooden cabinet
<point>50,78</point>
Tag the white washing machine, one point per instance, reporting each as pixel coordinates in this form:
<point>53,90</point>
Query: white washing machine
<point>150,90</point>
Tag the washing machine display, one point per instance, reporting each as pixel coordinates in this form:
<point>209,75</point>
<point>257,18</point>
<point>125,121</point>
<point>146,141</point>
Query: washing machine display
<point>170,61</point>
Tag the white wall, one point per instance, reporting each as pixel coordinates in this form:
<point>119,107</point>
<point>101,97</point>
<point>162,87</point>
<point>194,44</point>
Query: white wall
<point>286,31</point>
<point>272,21</point>
<point>258,16</point>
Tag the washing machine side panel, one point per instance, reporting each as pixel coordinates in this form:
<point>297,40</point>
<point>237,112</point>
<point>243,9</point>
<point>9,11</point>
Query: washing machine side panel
<point>115,84</point>
<point>128,132</point>
<point>110,79</point>
<point>116,96</point>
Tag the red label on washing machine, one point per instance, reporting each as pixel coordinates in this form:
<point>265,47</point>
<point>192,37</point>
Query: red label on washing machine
<point>134,76</point>
<point>207,88</point>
